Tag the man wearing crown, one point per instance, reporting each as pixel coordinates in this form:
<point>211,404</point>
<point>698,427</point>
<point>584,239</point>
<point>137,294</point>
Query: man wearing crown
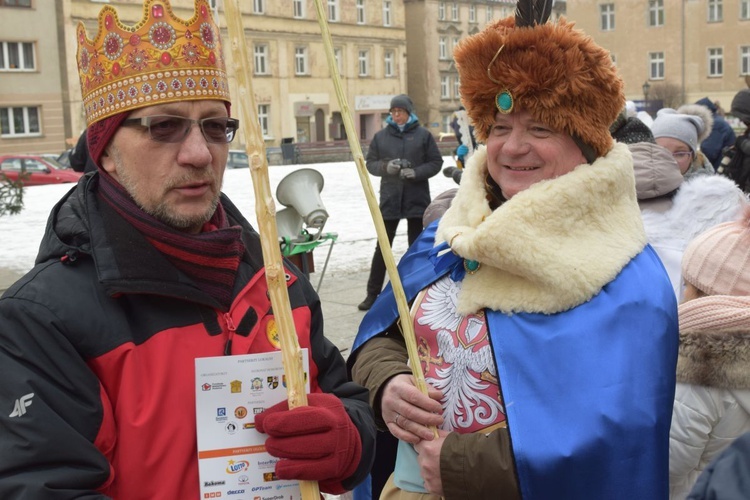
<point>146,266</point>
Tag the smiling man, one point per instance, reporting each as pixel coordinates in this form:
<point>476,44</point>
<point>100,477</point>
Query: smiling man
<point>546,326</point>
<point>144,268</point>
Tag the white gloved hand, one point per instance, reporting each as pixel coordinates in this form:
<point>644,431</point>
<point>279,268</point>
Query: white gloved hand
<point>407,174</point>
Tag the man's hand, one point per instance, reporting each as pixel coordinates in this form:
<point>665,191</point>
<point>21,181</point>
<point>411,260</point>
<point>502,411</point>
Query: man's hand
<point>393,166</point>
<point>407,174</point>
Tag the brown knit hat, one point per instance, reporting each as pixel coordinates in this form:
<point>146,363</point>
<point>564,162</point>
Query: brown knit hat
<point>717,262</point>
<point>555,72</point>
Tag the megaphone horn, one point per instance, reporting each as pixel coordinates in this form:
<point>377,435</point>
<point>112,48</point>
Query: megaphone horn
<point>288,223</point>
<point>301,190</point>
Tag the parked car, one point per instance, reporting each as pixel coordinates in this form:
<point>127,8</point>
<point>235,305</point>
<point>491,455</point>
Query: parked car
<point>38,170</point>
<point>237,159</point>
<point>57,160</point>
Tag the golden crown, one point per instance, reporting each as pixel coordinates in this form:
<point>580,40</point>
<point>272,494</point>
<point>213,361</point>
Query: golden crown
<point>161,59</point>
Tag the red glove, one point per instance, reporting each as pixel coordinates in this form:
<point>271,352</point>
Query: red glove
<point>318,442</point>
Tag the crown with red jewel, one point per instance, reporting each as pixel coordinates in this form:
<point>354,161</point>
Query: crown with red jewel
<point>161,59</point>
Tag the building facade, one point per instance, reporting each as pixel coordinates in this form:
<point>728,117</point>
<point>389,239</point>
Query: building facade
<point>33,115</point>
<point>671,52</point>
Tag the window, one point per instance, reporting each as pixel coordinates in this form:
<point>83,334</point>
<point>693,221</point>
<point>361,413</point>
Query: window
<point>716,62</point>
<point>300,60</point>
<point>361,12</point>
<point>19,121</point>
<point>259,6</point>
<point>15,3</point>
<point>388,64</point>
<point>745,60</point>
<point>299,9</point>
<point>656,65</point>
<point>17,56</point>
<point>441,11</point>
<point>263,114</point>
<point>447,124</point>
<point>337,54</point>
<point>455,43</point>
<point>489,14</point>
<point>472,13</point>
<point>445,87</point>
<point>386,13</point>
<point>333,10</point>
<point>607,14</point>
<point>656,13</point>
<point>715,11</point>
<point>260,52</point>
<point>364,62</point>
<point>456,87</point>
<point>442,48</point>
<point>454,11</point>
<point>744,9</point>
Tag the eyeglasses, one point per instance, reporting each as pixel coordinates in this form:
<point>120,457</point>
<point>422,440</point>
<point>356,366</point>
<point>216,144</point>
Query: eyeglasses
<point>397,111</point>
<point>681,155</point>
<point>167,128</point>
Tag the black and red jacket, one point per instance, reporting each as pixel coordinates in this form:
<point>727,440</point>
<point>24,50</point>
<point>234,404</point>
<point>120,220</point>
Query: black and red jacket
<point>103,333</point>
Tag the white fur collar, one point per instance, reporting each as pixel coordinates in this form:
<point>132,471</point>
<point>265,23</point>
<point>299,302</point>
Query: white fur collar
<point>552,246</point>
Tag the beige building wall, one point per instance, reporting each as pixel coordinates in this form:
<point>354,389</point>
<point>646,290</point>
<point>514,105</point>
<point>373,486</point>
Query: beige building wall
<point>685,39</point>
<point>36,88</point>
<point>302,107</point>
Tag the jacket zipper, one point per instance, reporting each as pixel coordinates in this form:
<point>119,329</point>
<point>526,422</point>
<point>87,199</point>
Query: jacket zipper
<point>232,330</point>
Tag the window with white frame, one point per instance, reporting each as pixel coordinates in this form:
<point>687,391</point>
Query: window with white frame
<point>715,11</point>
<point>361,19</point>
<point>260,58</point>
<point>715,61</point>
<point>19,121</point>
<point>445,87</point>
<point>745,60</point>
<point>456,87</point>
<point>17,56</point>
<point>454,11</point>
<point>300,60</point>
<point>264,112</point>
<point>447,124</point>
<point>454,43</point>
<point>364,62</point>
<point>259,6</point>
<point>442,48</point>
<point>656,65</point>
<point>607,16</point>
<point>387,6</point>
<point>338,55</point>
<point>333,10</point>
<point>15,3</point>
<point>389,60</point>
<point>299,9</point>
<point>744,10</point>
<point>489,14</point>
<point>441,11</point>
<point>656,13</point>
<point>472,13</point>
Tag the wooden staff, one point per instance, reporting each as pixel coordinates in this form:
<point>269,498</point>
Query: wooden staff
<point>269,237</point>
<point>407,327</point>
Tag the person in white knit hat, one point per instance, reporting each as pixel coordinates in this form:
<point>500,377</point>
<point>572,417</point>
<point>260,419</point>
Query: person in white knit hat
<point>712,399</point>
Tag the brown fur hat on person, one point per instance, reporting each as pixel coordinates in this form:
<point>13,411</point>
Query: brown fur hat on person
<point>555,72</point>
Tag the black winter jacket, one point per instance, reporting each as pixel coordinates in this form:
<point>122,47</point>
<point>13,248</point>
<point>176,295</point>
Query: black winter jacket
<point>404,199</point>
<point>98,345</point>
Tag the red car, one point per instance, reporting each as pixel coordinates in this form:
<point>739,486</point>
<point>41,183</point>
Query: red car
<point>38,170</point>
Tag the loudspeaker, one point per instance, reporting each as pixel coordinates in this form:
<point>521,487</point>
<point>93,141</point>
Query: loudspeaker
<point>301,191</point>
<point>288,223</point>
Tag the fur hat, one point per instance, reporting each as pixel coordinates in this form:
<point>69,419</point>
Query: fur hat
<point>688,128</point>
<point>555,72</point>
<point>741,106</point>
<point>717,262</point>
<point>402,101</point>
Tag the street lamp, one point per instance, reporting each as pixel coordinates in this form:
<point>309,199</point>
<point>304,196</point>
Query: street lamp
<point>646,87</point>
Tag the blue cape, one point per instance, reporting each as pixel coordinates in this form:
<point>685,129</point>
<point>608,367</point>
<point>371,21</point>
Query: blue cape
<point>588,392</point>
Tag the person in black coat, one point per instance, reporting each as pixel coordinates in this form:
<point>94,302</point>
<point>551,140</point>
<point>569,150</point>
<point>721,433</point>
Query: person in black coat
<point>405,155</point>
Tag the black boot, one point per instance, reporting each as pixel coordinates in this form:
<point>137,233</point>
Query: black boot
<point>367,303</point>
